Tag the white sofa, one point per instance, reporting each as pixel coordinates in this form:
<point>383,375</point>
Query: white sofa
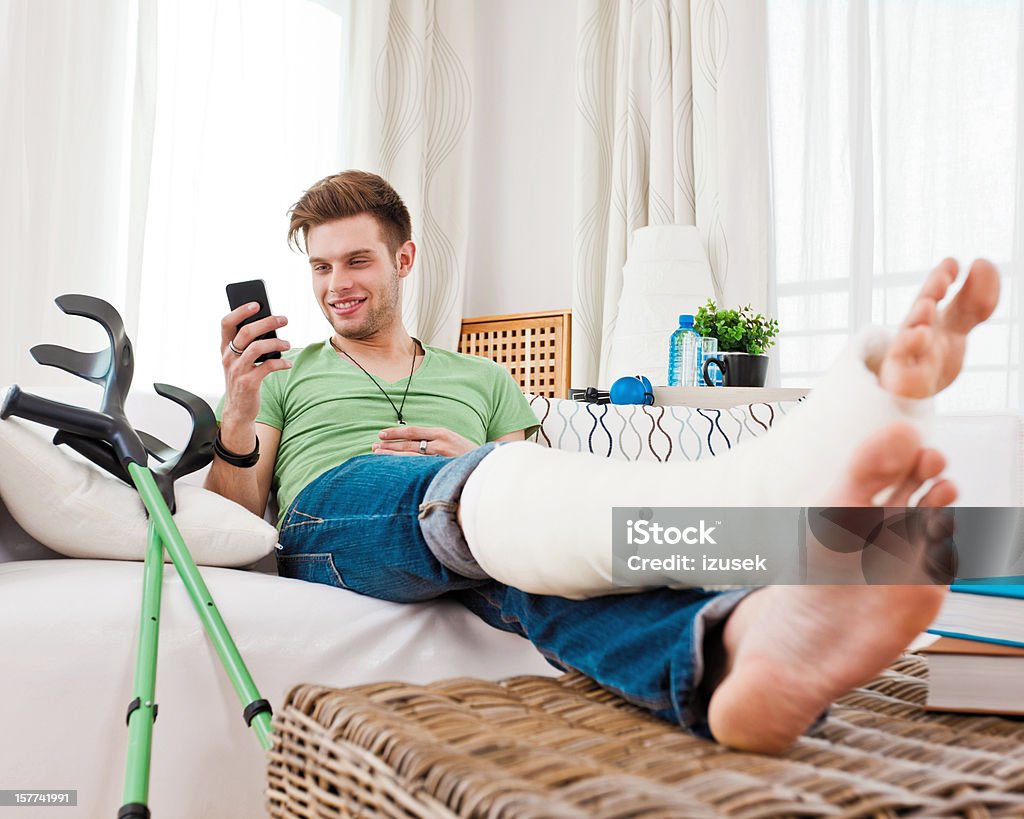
<point>69,626</point>
<point>68,646</point>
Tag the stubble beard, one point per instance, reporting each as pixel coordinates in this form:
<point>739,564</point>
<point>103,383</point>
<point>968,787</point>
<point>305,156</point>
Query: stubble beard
<point>380,317</point>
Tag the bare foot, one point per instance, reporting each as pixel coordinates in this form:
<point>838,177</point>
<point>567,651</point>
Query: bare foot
<point>789,651</point>
<point>928,351</point>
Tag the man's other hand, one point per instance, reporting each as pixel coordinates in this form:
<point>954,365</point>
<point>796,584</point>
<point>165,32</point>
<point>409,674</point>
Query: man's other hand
<point>406,440</point>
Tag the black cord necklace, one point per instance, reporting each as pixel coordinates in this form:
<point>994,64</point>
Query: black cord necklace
<point>412,367</point>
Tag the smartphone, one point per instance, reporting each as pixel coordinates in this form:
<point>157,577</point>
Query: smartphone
<point>240,293</point>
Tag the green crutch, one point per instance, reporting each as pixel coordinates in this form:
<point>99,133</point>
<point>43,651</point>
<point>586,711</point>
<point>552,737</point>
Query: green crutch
<point>107,438</point>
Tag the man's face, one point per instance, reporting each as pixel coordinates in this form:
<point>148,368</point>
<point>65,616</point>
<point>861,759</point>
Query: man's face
<point>356,279</point>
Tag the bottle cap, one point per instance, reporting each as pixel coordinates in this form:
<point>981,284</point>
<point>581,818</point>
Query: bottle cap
<point>686,320</point>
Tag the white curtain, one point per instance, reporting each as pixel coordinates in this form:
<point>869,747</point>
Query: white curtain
<point>149,153</point>
<point>411,113</point>
<point>896,141</point>
<point>250,109</point>
<point>75,138</point>
<point>670,130</point>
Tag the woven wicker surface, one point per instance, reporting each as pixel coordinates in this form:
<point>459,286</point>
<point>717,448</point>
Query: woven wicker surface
<point>537,747</point>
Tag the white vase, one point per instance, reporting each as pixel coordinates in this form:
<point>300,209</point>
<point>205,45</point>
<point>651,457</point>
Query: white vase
<point>666,274</point>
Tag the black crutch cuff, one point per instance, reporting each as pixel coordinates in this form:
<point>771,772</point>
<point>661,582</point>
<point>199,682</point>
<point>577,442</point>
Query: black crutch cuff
<point>256,707</point>
<point>137,703</point>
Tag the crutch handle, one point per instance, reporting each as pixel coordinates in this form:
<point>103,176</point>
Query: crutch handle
<point>126,445</point>
<point>54,414</point>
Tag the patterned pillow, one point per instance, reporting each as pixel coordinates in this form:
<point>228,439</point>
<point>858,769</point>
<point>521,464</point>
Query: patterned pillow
<point>630,432</point>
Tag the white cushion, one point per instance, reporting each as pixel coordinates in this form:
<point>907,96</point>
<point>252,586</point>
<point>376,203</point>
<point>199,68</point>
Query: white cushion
<point>68,647</point>
<point>78,510</point>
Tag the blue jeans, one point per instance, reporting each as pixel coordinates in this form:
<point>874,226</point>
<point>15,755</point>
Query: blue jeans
<point>361,526</point>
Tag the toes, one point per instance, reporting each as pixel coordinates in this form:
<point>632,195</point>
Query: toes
<point>913,364</point>
<point>933,291</point>
<point>886,458</point>
<point>913,342</point>
<point>943,493</point>
<point>930,463</point>
<point>940,279</point>
<point>923,311</point>
<point>976,300</point>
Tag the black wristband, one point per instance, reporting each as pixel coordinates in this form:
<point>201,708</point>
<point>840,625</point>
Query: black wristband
<point>233,458</point>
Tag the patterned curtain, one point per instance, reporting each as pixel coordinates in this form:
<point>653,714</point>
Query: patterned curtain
<point>409,120</point>
<point>670,129</point>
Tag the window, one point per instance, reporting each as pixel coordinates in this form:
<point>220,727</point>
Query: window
<point>895,143</point>
<point>249,113</point>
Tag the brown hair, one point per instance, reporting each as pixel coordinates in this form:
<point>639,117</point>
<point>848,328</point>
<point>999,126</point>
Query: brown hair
<point>351,193</point>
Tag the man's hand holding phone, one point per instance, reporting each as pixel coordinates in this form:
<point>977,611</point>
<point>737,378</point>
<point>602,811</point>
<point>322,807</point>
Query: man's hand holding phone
<point>241,348</point>
<point>240,471</point>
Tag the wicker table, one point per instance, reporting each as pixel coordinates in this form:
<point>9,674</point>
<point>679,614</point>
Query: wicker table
<point>537,747</point>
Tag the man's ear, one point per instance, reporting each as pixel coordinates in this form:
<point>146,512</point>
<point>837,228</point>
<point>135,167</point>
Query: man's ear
<point>404,258</point>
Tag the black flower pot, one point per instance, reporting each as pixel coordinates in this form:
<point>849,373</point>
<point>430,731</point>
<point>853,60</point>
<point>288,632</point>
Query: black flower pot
<point>739,369</point>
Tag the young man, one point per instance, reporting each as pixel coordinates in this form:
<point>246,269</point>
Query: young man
<point>349,433</point>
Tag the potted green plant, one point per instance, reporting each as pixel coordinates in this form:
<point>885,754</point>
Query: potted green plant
<point>743,337</point>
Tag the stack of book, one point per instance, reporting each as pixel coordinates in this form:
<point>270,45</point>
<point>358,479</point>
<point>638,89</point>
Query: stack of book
<point>977,664</point>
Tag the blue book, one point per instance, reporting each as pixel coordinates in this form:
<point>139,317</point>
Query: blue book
<point>990,610</point>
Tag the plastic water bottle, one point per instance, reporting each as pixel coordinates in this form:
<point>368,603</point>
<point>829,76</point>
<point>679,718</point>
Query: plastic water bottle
<point>682,353</point>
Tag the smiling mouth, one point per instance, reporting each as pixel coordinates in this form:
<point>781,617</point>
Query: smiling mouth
<point>346,307</point>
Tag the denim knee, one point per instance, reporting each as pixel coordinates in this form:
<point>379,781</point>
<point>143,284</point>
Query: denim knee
<point>357,527</point>
<point>438,513</point>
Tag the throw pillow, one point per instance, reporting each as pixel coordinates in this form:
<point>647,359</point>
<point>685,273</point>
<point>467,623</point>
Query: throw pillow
<point>76,509</point>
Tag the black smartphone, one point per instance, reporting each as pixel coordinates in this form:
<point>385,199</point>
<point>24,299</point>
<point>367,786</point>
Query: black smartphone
<point>240,293</point>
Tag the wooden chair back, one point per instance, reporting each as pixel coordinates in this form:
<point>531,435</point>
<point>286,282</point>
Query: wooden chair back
<point>534,347</point>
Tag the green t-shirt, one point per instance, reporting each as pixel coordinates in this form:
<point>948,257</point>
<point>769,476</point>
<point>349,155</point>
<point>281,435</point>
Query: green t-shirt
<point>329,411</point>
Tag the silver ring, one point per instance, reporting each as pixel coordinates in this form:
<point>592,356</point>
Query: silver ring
<point>423,447</point>
<point>233,348</point>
